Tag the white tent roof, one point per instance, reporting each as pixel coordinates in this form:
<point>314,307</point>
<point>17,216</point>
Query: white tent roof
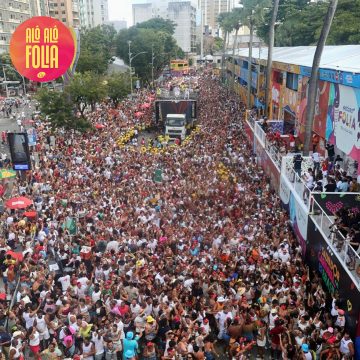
<point>342,57</point>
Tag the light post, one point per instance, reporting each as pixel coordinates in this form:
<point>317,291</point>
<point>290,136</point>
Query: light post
<point>152,65</point>
<point>23,79</point>
<point>131,58</point>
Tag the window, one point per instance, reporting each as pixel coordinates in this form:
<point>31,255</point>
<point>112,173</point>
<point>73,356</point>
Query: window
<point>63,20</point>
<point>56,12</point>
<point>292,81</point>
<point>62,4</point>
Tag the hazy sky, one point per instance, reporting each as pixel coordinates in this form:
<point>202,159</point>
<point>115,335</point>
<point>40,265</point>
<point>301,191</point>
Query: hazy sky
<point>121,10</point>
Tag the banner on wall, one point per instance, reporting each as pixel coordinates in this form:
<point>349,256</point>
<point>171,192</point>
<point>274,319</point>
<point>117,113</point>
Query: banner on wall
<point>333,202</point>
<point>342,126</point>
<point>267,165</point>
<point>298,215</point>
<point>321,258</point>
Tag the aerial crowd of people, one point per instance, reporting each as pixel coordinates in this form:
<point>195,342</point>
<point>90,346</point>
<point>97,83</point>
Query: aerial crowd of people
<point>200,265</point>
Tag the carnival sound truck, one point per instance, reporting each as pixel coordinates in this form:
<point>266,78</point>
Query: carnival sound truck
<point>176,115</point>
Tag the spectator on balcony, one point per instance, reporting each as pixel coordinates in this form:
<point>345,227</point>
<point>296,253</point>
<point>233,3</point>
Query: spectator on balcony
<point>297,161</point>
<point>265,125</point>
<point>331,185</point>
<point>309,181</point>
<point>316,159</point>
<point>315,141</point>
<point>331,151</point>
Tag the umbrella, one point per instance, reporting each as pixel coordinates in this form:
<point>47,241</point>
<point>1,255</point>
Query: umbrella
<point>28,121</point>
<point>18,203</point>
<point>145,106</point>
<point>139,114</point>
<point>100,126</point>
<point>30,214</point>
<point>7,174</point>
<point>15,255</point>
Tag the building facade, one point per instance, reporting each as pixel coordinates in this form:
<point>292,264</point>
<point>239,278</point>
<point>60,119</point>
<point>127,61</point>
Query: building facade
<point>12,14</point>
<point>182,13</point>
<point>337,114</point>
<point>93,13</point>
<point>39,7</point>
<point>210,10</point>
<point>66,11</point>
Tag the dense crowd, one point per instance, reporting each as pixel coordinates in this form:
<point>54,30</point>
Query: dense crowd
<point>200,265</point>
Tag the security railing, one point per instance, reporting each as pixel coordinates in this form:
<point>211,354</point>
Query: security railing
<point>340,244</point>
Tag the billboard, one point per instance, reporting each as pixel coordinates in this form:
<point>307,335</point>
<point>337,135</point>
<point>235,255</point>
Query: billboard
<point>19,150</point>
<point>333,202</point>
<point>298,215</point>
<point>336,279</point>
<point>342,126</point>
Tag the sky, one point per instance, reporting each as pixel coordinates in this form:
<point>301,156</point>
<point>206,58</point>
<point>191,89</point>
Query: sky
<point>121,10</point>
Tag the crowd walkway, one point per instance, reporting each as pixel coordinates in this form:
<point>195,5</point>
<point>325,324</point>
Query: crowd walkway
<point>160,270</point>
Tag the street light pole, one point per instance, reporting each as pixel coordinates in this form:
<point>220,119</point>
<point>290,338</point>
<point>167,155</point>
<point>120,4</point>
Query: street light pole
<point>152,66</point>
<point>6,85</point>
<point>130,59</point>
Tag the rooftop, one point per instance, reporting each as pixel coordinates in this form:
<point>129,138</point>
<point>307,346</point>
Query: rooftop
<point>342,57</point>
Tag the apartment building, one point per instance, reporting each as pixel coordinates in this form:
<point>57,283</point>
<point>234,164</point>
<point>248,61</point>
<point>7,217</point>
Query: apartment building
<point>66,11</point>
<point>182,13</point>
<point>12,13</point>
<point>93,13</point>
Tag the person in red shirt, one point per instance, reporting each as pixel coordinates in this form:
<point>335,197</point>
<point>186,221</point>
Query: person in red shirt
<point>275,334</point>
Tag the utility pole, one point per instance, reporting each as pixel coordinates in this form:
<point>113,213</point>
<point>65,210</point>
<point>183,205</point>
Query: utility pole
<point>152,65</point>
<point>248,100</point>
<point>202,37</point>
<point>270,52</point>
<point>6,85</point>
<point>130,59</point>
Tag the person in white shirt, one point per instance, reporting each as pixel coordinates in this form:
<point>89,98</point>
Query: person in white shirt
<point>222,317</point>
<point>98,341</point>
<point>65,282</point>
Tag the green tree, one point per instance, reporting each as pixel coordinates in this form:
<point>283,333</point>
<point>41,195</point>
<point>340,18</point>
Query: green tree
<point>59,110</point>
<point>7,66</point>
<point>97,49</point>
<point>86,90</point>
<point>147,41</point>
<point>158,24</point>
<point>118,86</point>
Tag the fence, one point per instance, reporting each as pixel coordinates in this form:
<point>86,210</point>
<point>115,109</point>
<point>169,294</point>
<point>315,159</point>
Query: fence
<point>336,239</point>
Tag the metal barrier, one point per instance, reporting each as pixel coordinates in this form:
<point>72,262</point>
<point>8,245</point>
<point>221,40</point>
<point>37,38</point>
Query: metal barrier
<point>336,239</point>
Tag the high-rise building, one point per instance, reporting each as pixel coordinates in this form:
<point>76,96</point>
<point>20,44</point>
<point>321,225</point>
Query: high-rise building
<point>211,9</point>
<point>93,12</point>
<point>39,7</point>
<point>12,13</point>
<point>67,11</point>
<point>181,12</point>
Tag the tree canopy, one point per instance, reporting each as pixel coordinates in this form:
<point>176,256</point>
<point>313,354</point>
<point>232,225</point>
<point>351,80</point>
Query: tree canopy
<point>59,109</point>
<point>155,38</point>
<point>97,47</point>
<point>299,23</point>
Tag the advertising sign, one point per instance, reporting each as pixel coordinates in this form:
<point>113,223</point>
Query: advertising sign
<point>267,164</point>
<point>321,258</point>
<point>343,127</point>
<point>333,202</point>
<point>42,49</point>
<point>298,215</point>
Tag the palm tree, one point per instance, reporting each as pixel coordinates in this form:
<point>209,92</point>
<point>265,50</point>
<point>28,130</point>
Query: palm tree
<point>253,15</point>
<point>225,22</point>
<point>270,52</point>
<point>310,110</point>
<point>237,18</point>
